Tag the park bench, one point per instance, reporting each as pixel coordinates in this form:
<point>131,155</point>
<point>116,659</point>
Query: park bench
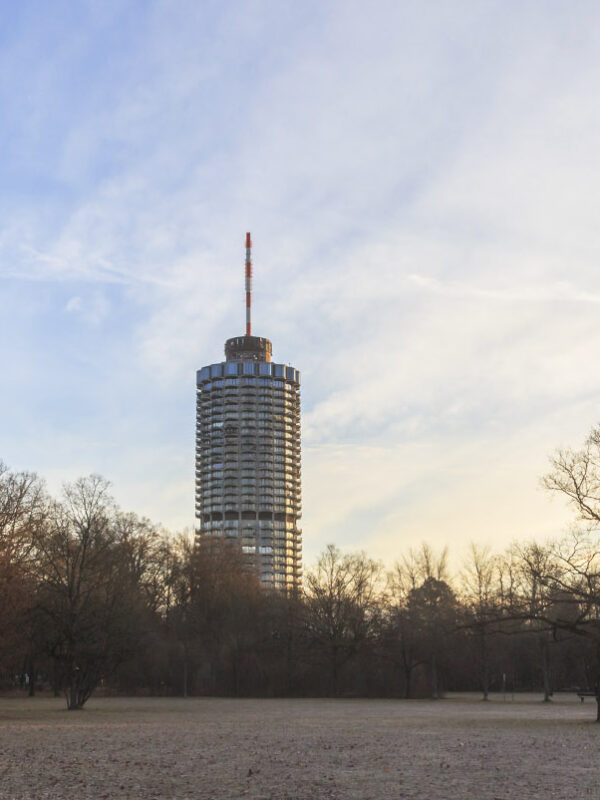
<point>583,695</point>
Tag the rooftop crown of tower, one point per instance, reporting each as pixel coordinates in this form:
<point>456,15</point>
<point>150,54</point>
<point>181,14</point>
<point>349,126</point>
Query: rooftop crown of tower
<point>248,348</point>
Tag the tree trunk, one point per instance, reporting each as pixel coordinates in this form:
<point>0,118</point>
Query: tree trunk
<point>184,688</point>
<point>235,665</point>
<point>434,678</point>
<point>407,680</point>
<point>485,672</point>
<point>78,690</point>
<point>56,680</point>
<point>334,671</point>
<point>546,669</point>
<point>31,679</point>
<point>73,697</point>
<point>289,664</point>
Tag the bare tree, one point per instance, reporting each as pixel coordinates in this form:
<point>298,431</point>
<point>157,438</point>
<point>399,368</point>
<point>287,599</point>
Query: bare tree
<point>401,637</point>
<point>88,593</point>
<point>342,596</point>
<point>22,507</point>
<point>224,611</point>
<point>575,474</point>
<point>575,575</point>
<point>479,597</point>
<point>537,578</point>
<point>426,611</point>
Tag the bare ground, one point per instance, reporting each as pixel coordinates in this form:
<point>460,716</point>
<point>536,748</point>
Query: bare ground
<point>283,749</point>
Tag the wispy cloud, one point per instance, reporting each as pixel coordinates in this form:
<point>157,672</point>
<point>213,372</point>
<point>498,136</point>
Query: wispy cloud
<point>421,189</point>
<point>542,293</point>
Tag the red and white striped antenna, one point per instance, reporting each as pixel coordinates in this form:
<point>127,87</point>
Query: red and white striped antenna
<point>248,285</point>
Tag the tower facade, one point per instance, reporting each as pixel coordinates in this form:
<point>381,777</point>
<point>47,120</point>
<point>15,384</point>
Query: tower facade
<point>248,454</point>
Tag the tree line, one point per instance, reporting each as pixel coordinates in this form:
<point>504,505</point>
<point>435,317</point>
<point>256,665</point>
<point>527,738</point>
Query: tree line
<point>91,596</point>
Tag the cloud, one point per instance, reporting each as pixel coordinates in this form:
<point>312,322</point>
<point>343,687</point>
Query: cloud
<point>73,304</point>
<point>542,293</point>
<point>92,311</point>
<point>421,192</point>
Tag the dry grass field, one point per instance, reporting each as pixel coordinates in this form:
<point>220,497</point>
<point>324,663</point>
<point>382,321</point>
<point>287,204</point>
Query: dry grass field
<point>216,748</point>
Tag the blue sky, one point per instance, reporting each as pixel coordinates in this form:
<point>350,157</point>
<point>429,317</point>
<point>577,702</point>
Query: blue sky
<point>421,182</point>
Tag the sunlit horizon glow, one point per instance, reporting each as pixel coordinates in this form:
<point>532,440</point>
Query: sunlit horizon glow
<point>421,186</point>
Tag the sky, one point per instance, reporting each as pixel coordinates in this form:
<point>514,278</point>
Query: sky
<point>421,184</point>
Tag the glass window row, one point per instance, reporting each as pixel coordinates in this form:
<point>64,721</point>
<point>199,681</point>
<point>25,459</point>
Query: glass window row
<point>232,369</point>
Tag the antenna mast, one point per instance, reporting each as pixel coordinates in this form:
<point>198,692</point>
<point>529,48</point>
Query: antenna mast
<point>248,284</point>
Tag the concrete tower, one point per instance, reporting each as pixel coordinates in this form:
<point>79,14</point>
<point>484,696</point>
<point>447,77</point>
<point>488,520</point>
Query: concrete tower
<point>248,453</point>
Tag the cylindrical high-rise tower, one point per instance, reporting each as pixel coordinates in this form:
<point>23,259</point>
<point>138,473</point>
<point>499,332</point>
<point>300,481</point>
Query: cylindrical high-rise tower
<point>248,454</point>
